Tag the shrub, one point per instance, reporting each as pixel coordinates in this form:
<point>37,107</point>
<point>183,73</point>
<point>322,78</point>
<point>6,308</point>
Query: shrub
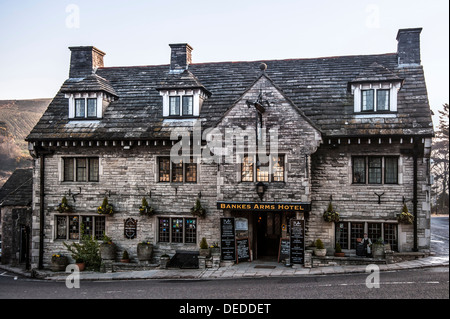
<point>319,244</point>
<point>203,243</point>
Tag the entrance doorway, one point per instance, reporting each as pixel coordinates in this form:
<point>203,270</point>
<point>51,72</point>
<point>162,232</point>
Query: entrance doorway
<point>268,234</point>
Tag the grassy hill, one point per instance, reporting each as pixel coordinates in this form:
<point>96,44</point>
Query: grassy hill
<point>17,118</point>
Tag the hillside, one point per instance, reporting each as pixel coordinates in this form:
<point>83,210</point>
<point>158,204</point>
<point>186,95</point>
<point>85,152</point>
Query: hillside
<point>17,118</point>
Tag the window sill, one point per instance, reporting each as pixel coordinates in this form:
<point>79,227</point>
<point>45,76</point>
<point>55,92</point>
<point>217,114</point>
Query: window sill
<point>374,115</point>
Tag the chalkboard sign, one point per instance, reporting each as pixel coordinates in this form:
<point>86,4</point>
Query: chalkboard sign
<point>284,251</point>
<point>227,239</point>
<point>297,241</point>
<point>243,249</point>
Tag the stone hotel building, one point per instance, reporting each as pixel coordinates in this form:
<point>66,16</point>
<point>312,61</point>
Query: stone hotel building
<point>264,142</point>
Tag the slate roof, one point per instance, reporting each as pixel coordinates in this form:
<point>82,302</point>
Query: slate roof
<point>17,191</point>
<point>318,87</point>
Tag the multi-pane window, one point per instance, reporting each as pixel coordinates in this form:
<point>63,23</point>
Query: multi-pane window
<point>391,170</point>
<point>375,169</point>
<point>181,105</point>
<point>174,105</point>
<point>177,230</point>
<point>164,169</point>
<point>348,240</point>
<point>81,169</point>
<point>375,100</point>
<point>177,172</point>
<point>247,169</point>
<point>382,100</point>
<point>367,100</point>
<point>278,168</point>
<point>69,226</point>
<point>342,234</point>
<point>359,170</point>
<point>187,105</point>
<point>356,231</point>
<point>273,170</point>
<point>86,108</point>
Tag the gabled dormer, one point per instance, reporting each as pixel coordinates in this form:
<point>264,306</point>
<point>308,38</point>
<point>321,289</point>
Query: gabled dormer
<point>88,94</point>
<point>375,91</point>
<point>182,93</point>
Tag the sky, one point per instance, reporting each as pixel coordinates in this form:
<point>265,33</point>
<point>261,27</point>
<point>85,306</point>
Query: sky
<point>35,35</point>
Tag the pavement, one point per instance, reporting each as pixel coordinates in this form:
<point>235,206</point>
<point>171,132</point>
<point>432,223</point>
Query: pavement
<point>252,269</point>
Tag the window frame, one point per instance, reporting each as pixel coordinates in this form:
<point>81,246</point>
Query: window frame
<point>85,108</point>
<point>382,170</point>
<point>269,169</point>
<point>182,172</point>
<point>373,100</point>
<point>184,237</point>
<point>76,169</point>
<point>97,224</point>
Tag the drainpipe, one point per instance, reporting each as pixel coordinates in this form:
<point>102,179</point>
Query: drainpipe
<point>41,210</point>
<point>415,159</point>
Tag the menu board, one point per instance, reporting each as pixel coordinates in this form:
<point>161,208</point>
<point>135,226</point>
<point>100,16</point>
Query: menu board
<point>243,249</point>
<point>297,241</point>
<point>284,251</point>
<point>227,239</point>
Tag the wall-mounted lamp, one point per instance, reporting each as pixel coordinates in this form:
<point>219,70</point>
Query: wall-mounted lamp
<point>261,189</point>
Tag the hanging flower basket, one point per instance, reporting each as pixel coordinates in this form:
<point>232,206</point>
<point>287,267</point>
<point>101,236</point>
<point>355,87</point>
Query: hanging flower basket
<point>64,207</point>
<point>330,215</point>
<point>145,208</point>
<point>198,210</point>
<point>405,217</point>
<point>105,208</point>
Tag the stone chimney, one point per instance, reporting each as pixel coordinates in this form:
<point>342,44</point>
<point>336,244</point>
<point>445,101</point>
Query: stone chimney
<point>180,57</point>
<point>408,48</point>
<point>84,61</point>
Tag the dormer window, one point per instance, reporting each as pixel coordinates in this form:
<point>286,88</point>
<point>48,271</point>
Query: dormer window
<point>373,100</point>
<point>86,108</point>
<point>182,103</point>
<point>375,97</point>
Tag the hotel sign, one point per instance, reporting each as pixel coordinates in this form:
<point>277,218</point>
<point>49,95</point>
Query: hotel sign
<point>265,206</point>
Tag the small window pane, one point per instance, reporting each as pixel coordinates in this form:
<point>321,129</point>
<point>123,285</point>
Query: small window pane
<point>374,231</point>
<point>61,227</point>
<point>190,231</point>
<point>88,225</point>
<point>174,105</point>
<point>164,230</point>
<point>164,169</point>
<point>81,169</point>
<point>177,230</point>
<point>367,100</point>
<point>262,172</point>
<point>374,170</point>
<point>391,170</point>
<point>356,231</point>
<point>92,107</point>
<point>382,100</point>
<point>177,172</point>
<point>278,168</point>
<point>93,169</point>
<point>187,105</point>
<point>342,234</point>
<point>191,172</point>
<point>390,235</point>
<point>359,170</point>
<point>68,169</point>
<point>100,227</point>
<point>80,108</point>
<point>247,169</point>
<point>74,227</point>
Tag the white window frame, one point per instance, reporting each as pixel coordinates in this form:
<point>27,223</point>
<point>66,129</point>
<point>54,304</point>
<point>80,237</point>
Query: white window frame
<point>198,97</point>
<point>91,95</point>
<point>357,89</point>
